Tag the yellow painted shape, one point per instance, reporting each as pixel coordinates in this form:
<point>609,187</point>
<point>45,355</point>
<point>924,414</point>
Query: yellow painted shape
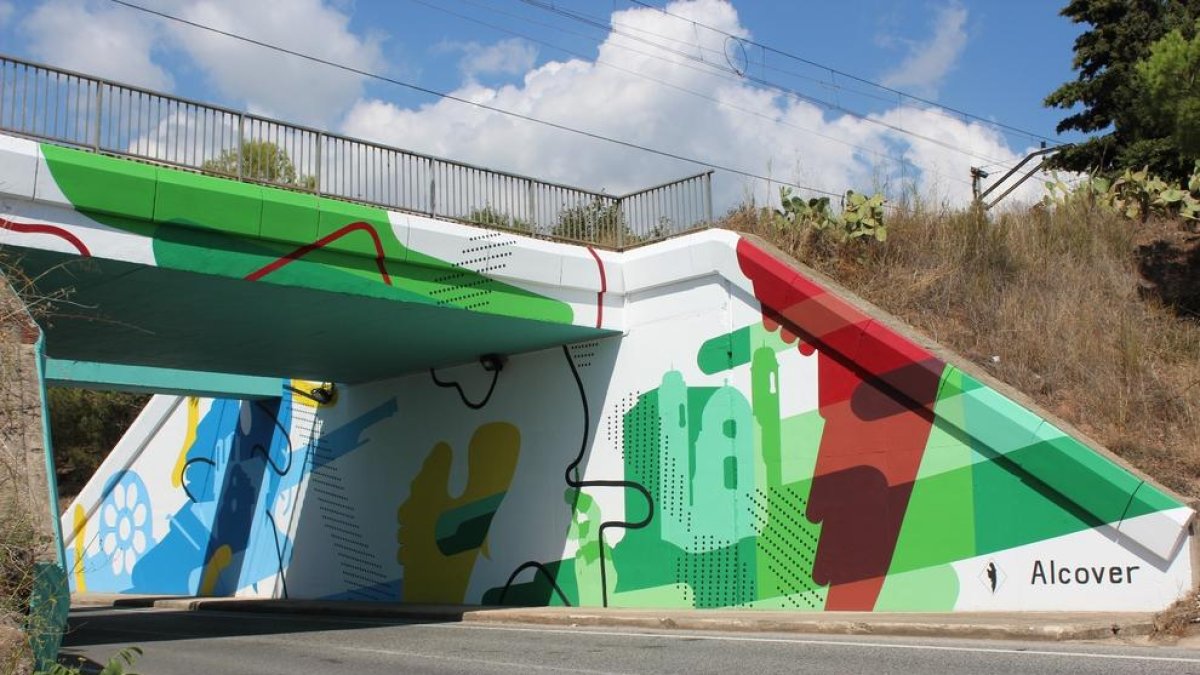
<point>80,528</point>
<point>193,421</point>
<point>212,571</point>
<point>430,576</point>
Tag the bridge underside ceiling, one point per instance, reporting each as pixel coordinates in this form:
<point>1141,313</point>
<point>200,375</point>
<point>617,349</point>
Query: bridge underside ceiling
<point>122,313</point>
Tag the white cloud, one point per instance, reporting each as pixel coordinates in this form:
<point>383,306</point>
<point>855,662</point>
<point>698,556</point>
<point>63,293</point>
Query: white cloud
<point>506,57</point>
<point>788,139</point>
<point>586,95</point>
<point>929,62</point>
<point>116,42</point>
<point>274,83</point>
<point>97,38</point>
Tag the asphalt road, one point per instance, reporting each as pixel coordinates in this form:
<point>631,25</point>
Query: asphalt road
<point>207,642</point>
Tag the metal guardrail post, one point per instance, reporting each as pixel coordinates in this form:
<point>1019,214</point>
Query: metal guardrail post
<point>241,128</point>
<point>99,115</point>
<point>708,209</point>
<point>619,205</point>
<point>531,206</point>
<point>432,190</point>
<point>317,171</point>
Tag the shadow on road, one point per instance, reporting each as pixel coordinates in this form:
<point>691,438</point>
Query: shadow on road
<point>89,627</point>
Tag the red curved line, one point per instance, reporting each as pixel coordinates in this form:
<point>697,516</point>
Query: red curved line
<point>321,243</point>
<point>53,230</point>
<point>603,288</point>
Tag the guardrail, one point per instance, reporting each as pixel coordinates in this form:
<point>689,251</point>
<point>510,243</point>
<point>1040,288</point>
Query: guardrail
<point>87,112</point>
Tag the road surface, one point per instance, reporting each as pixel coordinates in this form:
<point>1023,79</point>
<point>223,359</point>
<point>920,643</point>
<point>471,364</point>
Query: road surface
<point>206,642</point>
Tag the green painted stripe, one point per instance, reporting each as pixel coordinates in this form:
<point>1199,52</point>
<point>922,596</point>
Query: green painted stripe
<point>230,228</point>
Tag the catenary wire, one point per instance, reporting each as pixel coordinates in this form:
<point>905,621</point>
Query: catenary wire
<point>855,78</point>
<point>484,106</point>
<point>834,106</point>
<point>902,162</point>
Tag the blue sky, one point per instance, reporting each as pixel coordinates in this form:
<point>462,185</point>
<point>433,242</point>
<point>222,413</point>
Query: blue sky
<point>672,81</point>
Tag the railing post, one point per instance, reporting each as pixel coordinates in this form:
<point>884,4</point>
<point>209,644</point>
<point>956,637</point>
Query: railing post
<point>99,114</point>
<point>432,190</point>
<point>708,210</point>
<point>620,210</point>
<point>241,130</point>
<point>531,207</point>
<point>317,176</point>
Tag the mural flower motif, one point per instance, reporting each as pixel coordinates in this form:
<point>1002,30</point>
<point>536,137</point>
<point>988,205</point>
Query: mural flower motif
<point>125,524</point>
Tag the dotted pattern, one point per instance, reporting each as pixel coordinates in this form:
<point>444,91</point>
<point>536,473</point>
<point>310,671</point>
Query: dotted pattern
<point>361,572</point>
<point>468,286</point>
<point>722,575</point>
<point>789,543</point>
<point>583,353</point>
<point>719,577</point>
<point>635,427</point>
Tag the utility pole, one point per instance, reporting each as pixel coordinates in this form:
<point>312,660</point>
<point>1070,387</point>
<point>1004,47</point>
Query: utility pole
<point>977,175</point>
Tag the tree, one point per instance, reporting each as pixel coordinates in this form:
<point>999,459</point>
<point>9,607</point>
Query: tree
<point>1110,90</point>
<point>261,161</point>
<point>85,426</point>
<point>1170,76</point>
<point>597,222</point>
<point>492,217</point>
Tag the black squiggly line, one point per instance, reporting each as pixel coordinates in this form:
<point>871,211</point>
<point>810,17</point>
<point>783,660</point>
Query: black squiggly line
<point>311,395</point>
<point>257,447</point>
<point>545,572</point>
<point>183,475</point>
<point>462,395</point>
<point>286,437</point>
<point>572,478</point>
<point>278,551</point>
<point>574,481</point>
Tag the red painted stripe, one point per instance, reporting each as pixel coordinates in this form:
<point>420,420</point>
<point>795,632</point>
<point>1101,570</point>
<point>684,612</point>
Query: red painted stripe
<point>875,391</point>
<point>53,230</point>
<point>603,288</point>
<point>325,241</point>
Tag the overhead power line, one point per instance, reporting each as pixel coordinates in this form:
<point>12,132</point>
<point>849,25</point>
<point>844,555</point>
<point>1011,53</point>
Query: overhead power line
<point>549,7</point>
<point>712,99</point>
<point>484,106</point>
<point>856,78</point>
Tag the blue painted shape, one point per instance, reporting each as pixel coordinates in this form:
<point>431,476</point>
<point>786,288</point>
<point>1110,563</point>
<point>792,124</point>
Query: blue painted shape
<point>233,474</point>
<point>147,379</point>
<point>241,481</point>
<point>348,437</point>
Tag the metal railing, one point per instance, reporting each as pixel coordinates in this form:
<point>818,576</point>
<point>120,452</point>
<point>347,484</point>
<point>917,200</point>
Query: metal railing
<point>70,108</point>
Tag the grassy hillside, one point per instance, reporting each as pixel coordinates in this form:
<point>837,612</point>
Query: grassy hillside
<point>1048,301</point>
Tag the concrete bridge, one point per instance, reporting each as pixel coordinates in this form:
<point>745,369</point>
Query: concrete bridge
<point>377,403</point>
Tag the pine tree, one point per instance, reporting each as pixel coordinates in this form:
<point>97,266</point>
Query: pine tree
<point>1111,90</point>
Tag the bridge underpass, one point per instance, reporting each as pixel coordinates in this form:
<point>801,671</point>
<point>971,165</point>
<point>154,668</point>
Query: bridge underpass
<point>696,422</point>
<point>124,314</point>
<point>169,271</point>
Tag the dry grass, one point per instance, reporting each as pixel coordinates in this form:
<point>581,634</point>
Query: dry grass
<point>1178,620</point>
<point>1047,301</point>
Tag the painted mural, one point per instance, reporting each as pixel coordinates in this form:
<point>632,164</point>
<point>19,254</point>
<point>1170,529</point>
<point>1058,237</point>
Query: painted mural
<point>744,438</point>
<point>806,459</point>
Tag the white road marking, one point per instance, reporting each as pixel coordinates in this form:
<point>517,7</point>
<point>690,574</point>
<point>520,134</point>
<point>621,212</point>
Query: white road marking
<point>828,643</point>
<point>465,659</point>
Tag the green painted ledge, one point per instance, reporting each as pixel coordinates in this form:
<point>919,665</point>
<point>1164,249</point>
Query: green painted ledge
<point>146,379</point>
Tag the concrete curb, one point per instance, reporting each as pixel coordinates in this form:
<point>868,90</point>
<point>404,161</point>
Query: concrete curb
<point>1028,626</point>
